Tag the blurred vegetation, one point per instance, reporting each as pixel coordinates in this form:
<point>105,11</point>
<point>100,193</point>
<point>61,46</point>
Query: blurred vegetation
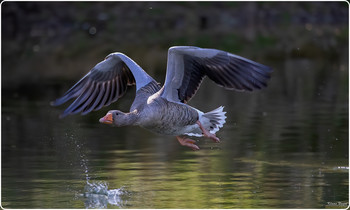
<point>44,41</point>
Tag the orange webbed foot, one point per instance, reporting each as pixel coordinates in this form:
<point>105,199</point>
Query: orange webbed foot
<point>208,134</point>
<point>187,142</point>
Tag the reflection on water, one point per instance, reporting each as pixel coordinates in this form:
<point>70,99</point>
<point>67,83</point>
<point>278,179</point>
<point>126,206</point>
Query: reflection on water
<point>271,156</point>
<point>278,149</point>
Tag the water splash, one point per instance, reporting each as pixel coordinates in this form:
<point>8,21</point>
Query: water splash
<point>80,150</point>
<point>97,195</point>
<point>84,164</point>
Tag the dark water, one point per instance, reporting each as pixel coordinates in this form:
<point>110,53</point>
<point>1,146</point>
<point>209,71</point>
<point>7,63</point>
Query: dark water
<point>282,147</point>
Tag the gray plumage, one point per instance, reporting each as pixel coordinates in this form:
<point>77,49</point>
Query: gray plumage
<point>164,109</point>
<point>188,66</point>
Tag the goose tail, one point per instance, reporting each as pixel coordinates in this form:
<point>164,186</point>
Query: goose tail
<point>217,119</point>
<point>211,121</point>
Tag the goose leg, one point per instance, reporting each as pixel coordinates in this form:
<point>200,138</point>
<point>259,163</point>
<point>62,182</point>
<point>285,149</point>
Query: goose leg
<point>208,134</point>
<point>187,142</point>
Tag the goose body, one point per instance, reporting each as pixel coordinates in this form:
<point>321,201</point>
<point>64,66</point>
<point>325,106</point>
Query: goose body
<point>164,109</point>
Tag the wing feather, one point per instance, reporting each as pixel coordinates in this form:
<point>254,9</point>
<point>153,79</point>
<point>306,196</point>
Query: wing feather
<point>97,98</point>
<point>104,84</point>
<point>188,66</point>
<point>89,107</point>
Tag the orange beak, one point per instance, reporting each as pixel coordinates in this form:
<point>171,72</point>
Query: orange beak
<point>108,119</point>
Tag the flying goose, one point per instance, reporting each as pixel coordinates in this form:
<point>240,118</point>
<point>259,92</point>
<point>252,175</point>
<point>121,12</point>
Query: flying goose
<point>164,110</point>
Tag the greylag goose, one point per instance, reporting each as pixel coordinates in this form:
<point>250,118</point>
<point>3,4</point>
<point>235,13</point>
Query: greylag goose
<point>164,110</point>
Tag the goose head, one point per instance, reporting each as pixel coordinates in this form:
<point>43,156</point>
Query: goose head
<point>119,118</point>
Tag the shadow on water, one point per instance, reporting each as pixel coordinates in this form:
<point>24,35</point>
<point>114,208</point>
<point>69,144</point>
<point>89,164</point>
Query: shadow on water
<point>282,147</point>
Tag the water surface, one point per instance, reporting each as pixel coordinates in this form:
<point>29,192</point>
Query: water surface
<point>274,153</point>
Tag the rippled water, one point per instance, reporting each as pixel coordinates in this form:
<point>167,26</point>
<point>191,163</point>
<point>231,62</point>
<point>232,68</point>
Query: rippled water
<point>276,151</point>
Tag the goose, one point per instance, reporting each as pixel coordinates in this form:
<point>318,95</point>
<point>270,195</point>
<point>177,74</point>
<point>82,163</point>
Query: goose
<point>164,109</point>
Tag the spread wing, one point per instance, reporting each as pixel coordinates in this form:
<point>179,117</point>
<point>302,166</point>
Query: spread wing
<point>104,84</point>
<point>187,67</point>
